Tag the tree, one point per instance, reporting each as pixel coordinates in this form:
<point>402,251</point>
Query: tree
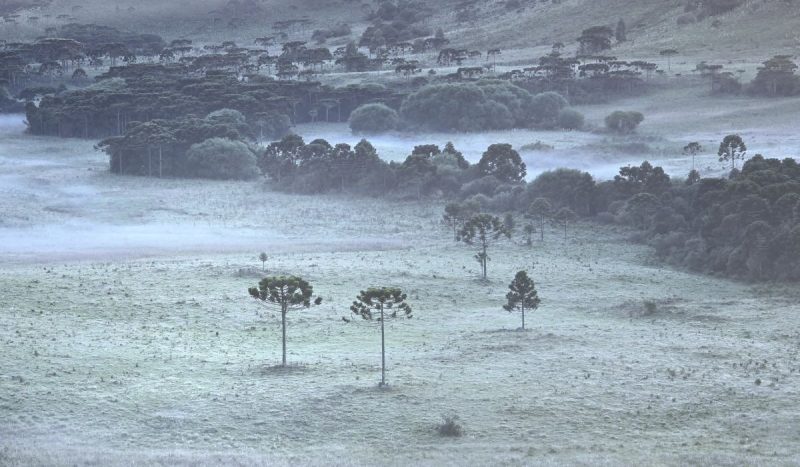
<point>381,303</point>
<point>483,230</point>
<point>455,214</point>
<point>263,258</point>
<point>570,119</point>
<point>777,77</point>
<point>373,118</point>
<point>621,33</point>
<point>284,293</point>
<point>731,148</point>
<point>522,295</point>
<point>692,149</point>
<point>224,159</point>
<point>529,229</point>
<point>623,122</point>
<point>669,53</point>
<point>564,216</point>
<point>595,39</point>
<point>540,209</point>
<point>503,162</point>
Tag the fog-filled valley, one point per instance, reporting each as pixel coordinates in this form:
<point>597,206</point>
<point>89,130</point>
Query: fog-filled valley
<point>393,232</point>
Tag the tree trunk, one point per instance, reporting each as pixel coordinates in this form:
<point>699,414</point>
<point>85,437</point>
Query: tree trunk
<point>283,332</point>
<point>149,162</point>
<point>383,351</point>
<point>523,318</point>
<point>484,260</point>
<point>159,162</point>
<point>541,228</point>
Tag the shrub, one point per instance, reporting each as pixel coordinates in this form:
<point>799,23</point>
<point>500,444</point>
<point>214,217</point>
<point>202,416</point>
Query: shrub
<point>623,122</point>
<point>223,159</point>
<point>450,426</point>
<point>374,118</point>
<point>570,119</point>
<point>455,107</point>
<point>546,106</point>
<point>686,18</point>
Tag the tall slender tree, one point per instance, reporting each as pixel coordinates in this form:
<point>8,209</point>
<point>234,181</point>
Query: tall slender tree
<point>522,295</point>
<point>381,303</point>
<point>731,148</point>
<point>483,230</point>
<point>284,293</point>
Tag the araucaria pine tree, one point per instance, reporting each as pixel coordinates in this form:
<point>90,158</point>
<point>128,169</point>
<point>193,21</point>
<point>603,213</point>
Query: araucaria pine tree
<point>284,293</point>
<point>522,295</point>
<point>381,303</point>
<point>483,230</point>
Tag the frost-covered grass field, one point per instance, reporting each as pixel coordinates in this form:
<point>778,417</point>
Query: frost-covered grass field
<point>128,336</point>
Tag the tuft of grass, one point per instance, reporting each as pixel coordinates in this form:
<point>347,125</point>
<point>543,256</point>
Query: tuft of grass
<point>450,426</point>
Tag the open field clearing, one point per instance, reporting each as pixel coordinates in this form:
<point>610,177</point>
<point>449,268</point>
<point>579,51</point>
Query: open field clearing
<point>128,336</point>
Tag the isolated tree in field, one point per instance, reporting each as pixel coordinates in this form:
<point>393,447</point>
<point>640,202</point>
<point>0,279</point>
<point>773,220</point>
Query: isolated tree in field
<point>669,53</point>
<point>563,217</point>
<point>692,149</point>
<point>540,209</point>
<point>381,303</point>
<point>731,148</point>
<point>483,230</point>
<point>284,293</point>
<point>263,258</point>
<point>455,214</point>
<point>522,295</point>
<point>502,161</point>
<point>529,230</point>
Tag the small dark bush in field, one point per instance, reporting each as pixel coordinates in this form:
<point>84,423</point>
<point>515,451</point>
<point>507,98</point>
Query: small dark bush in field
<point>450,427</point>
<point>650,307</point>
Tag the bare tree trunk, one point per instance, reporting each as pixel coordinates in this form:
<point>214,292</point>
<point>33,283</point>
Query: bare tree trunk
<point>523,318</point>
<point>283,331</point>
<point>159,162</point>
<point>383,352</point>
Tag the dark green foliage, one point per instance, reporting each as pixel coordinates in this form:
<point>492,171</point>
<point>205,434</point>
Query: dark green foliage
<point>621,32</point>
<point>545,108</point>
<point>502,162</point>
<point>566,187</point>
<point>223,159</point>
<point>450,427</point>
<point>595,39</point>
<point>483,230</point>
<point>522,295</point>
<point>623,122</point>
<point>645,178</point>
<point>455,107</point>
<point>455,214</point>
<point>570,119</point>
<point>381,303</point>
<point>284,293</point>
<point>776,77</point>
<point>373,118</point>
<point>731,149</point>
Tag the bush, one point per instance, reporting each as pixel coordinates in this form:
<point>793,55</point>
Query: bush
<point>546,106</point>
<point>222,159</point>
<point>455,107</point>
<point>450,426</point>
<point>570,119</point>
<point>373,118</point>
<point>623,122</point>
<point>686,18</point>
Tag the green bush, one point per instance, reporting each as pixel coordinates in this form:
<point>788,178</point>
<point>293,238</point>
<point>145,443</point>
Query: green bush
<point>570,119</point>
<point>373,118</point>
<point>623,122</point>
<point>222,159</point>
<point>455,107</point>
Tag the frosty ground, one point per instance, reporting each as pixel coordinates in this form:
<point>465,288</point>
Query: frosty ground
<point>128,336</point>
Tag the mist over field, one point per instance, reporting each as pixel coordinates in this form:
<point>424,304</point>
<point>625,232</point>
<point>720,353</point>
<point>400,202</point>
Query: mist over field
<point>395,232</point>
